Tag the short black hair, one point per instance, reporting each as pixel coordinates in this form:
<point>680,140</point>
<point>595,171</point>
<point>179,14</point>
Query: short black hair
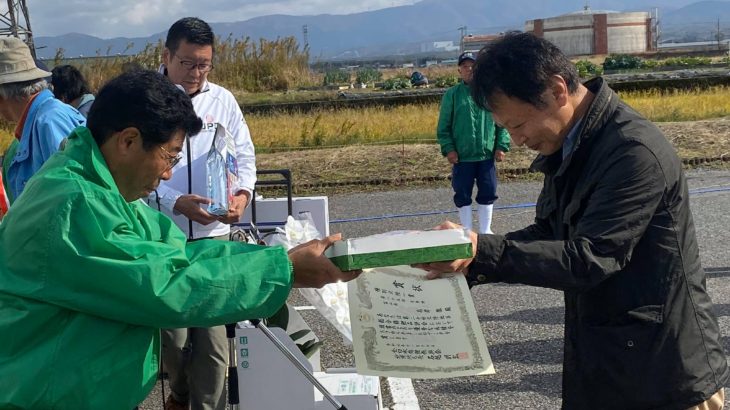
<point>519,65</point>
<point>68,83</point>
<point>191,29</point>
<point>147,101</point>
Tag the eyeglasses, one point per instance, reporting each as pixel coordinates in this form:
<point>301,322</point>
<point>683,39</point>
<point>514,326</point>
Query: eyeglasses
<point>171,159</point>
<point>191,65</point>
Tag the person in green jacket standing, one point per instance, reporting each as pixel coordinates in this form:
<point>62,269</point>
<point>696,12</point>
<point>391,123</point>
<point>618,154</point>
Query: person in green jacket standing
<point>471,142</point>
<point>89,273</point>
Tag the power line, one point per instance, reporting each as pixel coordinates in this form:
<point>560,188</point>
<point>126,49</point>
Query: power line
<point>15,22</point>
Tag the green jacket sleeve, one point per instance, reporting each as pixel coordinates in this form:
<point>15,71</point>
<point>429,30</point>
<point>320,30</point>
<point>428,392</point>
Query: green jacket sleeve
<point>95,261</point>
<point>444,132</point>
<point>501,138</point>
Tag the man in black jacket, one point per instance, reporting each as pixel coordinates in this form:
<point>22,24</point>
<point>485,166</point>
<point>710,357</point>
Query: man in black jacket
<point>613,231</point>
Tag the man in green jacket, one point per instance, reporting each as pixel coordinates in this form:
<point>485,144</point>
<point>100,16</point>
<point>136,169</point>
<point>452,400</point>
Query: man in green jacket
<point>471,142</point>
<point>90,273</point>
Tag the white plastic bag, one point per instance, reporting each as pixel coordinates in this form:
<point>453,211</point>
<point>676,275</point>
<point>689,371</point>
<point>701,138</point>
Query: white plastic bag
<point>294,232</point>
<point>331,300</point>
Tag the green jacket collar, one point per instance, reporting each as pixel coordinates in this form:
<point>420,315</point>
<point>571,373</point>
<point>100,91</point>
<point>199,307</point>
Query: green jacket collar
<point>83,149</point>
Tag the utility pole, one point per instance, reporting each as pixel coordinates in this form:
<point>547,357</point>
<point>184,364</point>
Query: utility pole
<point>305,32</point>
<point>462,29</point>
<point>16,22</point>
<point>719,35</point>
<point>656,29</point>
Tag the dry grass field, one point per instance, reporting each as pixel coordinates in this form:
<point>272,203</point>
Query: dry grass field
<point>414,123</point>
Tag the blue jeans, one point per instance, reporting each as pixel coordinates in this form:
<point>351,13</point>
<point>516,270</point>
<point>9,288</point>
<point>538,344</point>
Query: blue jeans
<point>463,175</point>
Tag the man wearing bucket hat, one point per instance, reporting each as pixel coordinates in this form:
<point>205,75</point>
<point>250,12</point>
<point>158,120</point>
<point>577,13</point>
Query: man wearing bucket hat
<point>42,121</point>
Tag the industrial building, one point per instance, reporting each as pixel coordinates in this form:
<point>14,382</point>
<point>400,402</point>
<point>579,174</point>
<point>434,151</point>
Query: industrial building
<point>593,32</point>
<point>475,43</point>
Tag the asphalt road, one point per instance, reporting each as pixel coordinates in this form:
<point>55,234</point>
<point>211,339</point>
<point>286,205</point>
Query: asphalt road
<point>523,325</point>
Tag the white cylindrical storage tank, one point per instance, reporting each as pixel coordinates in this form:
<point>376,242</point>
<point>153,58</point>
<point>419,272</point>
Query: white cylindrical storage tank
<point>590,32</point>
<point>572,33</point>
<point>627,33</point>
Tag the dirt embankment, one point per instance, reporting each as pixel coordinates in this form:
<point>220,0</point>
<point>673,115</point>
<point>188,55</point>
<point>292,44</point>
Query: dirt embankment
<point>407,164</point>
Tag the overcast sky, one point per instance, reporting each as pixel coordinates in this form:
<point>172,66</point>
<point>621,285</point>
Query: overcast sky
<point>141,18</point>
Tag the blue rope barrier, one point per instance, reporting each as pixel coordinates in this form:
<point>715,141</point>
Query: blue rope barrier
<point>698,191</point>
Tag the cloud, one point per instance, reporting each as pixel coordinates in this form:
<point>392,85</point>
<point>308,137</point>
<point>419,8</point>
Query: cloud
<point>135,18</point>
<point>141,14</point>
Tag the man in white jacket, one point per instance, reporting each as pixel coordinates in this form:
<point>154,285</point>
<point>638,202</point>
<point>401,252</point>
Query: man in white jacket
<point>196,358</point>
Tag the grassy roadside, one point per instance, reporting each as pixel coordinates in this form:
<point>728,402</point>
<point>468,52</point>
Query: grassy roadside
<point>404,163</point>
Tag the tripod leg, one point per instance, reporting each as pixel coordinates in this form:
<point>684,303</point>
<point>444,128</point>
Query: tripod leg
<point>293,359</point>
<point>233,398</point>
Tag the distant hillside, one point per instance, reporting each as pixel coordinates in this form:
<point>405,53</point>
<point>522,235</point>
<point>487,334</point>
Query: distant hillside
<point>696,22</point>
<point>75,45</point>
<point>700,12</point>
<point>386,31</point>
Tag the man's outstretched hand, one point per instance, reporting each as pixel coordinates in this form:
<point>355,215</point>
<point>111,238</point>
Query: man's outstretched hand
<point>189,205</point>
<point>436,269</point>
<point>312,269</point>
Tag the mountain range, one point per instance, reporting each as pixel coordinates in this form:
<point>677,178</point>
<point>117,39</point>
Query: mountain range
<point>395,29</point>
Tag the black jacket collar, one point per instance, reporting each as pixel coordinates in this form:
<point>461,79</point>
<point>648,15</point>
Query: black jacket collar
<point>604,102</point>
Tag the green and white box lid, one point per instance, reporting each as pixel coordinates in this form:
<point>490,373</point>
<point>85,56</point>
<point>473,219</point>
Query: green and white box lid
<point>401,248</point>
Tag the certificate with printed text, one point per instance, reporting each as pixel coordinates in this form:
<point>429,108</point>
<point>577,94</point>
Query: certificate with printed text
<point>404,325</point>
